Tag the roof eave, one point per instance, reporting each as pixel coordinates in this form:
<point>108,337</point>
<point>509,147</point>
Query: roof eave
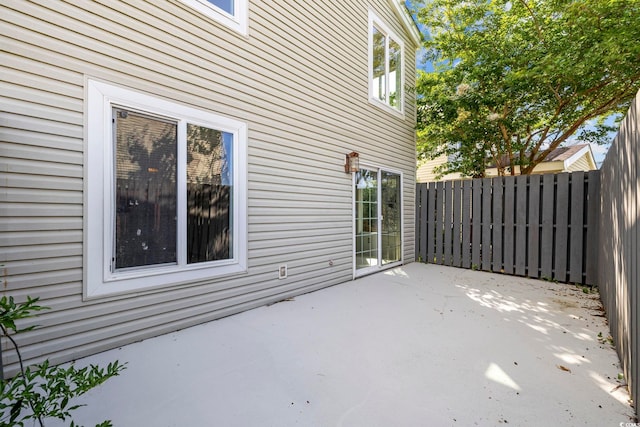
<point>407,21</point>
<point>586,150</point>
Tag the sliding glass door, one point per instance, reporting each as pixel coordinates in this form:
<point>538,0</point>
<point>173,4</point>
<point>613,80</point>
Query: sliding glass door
<point>378,219</point>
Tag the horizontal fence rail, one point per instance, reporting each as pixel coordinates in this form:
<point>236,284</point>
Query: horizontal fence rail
<point>540,226</point>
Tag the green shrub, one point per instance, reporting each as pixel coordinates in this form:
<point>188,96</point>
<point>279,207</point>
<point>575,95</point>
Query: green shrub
<point>43,391</point>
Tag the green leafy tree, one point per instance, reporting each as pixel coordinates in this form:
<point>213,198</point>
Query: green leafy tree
<point>42,391</point>
<point>514,80</point>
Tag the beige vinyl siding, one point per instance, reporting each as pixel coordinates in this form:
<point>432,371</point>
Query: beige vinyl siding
<point>299,81</point>
<point>426,171</point>
<point>581,164</point>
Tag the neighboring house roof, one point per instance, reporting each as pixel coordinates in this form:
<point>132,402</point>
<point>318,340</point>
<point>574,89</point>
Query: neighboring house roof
<point>572,158</point>
<point>565,153</point>
<point>569,154</point>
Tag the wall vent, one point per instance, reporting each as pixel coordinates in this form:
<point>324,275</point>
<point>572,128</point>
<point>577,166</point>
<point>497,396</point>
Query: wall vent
<point>282,271</point>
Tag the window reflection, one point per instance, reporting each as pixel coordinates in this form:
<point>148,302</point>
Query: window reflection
<point>145,196</point>
<point>391,218</point>
<point>395,74</point>
<point>209,189</point>
<point>146,192</point>
<point>379,65</point>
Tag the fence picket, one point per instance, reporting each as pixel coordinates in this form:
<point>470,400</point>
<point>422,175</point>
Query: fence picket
<point>576,227</point>
<point>534,227</point>
<point>521,225</point>
<point>422,226</point>
<point>497,224</point>
<point>546,240</point>
<point>593,228</point>
<point>466,224</point>
<point>509,224</point>
<point>477,223</point>
<point>431,223</point>
<point>448,219</point>
<point>562,225</point>
<point>485,252</point>
<point>457,186</point>
<point>440,207</point>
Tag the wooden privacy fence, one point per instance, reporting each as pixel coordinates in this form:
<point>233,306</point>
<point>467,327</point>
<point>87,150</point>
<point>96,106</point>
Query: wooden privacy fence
<point>541,226</point>
<point>619,247</point>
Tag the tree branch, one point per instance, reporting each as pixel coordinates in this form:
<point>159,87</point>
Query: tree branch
<point>603,108</point>
<point>535,21</point>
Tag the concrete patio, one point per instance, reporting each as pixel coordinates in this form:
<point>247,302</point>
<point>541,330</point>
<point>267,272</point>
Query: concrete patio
<point>421,345</point>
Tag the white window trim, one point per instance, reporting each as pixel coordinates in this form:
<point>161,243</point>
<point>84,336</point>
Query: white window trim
<point>237,22</point>
<point>99,280</point>
<point>374,20</point>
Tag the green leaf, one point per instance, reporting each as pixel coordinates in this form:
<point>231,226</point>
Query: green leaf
<point>43,391</point>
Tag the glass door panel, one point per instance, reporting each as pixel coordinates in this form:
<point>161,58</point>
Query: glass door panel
<point>366,218</point>
<point>391,225</point>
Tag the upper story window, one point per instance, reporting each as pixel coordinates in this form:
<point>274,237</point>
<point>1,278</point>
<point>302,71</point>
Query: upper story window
<point>232,13</point>
<point>385,65</point>
<point>166,192</point>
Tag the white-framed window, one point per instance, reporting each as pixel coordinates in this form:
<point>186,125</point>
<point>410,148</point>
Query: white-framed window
<point>232,13</point>
<point>165,192</point>
<point>386,74</point>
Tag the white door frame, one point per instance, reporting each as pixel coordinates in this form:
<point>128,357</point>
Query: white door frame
<point>379,267</point>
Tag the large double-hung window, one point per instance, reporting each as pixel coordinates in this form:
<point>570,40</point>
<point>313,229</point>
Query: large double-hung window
<point>385,65</point>
<point>166,192</point>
